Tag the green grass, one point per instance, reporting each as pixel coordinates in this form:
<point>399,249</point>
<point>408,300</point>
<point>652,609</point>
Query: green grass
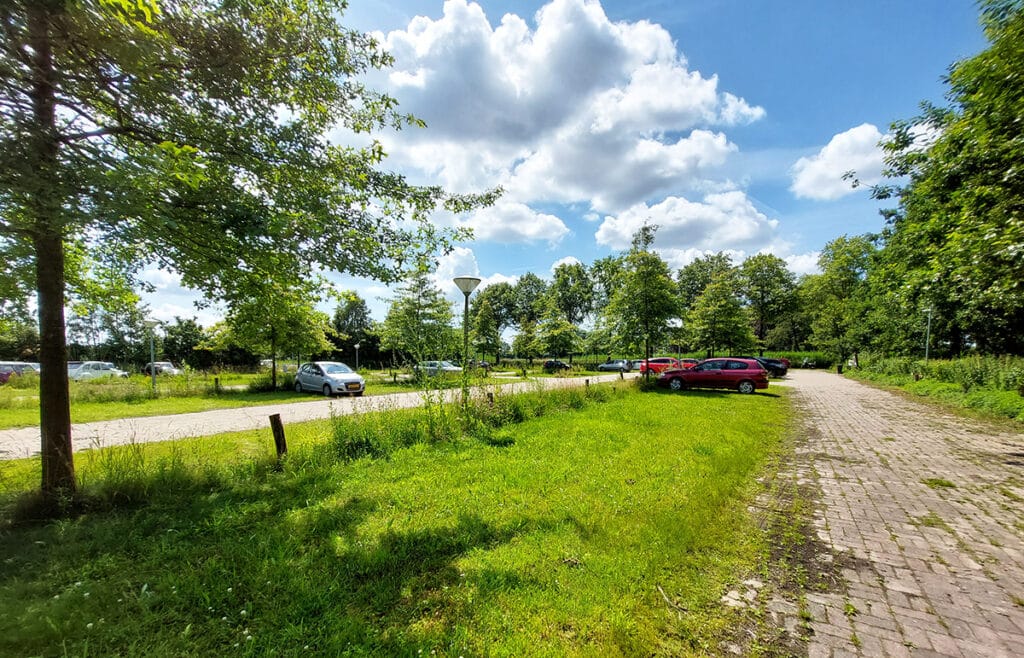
<point>982,402</point>
<point>97,401</point>
<point>550,537</point>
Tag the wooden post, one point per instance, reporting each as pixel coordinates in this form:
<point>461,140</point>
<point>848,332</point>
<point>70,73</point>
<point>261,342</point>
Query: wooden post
<point>586,382</point>
<point>490,398</point>
<point>279,441</point>
<point>216,384</point>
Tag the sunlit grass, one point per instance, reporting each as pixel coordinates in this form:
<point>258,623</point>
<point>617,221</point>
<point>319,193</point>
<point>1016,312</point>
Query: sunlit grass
<point>554,536</point>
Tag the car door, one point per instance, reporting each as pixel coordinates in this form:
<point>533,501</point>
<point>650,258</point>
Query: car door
<point>302,376</point>
<point>707,374</point>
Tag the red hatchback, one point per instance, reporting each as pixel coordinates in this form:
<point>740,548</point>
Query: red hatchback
<point>744,375</point>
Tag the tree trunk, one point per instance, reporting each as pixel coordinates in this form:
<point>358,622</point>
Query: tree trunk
<point>58,470</point>
<point>54,406</point>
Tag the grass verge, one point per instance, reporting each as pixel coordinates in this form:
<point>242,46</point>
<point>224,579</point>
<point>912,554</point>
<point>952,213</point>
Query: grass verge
<point>988,403</point>
<point>605,526</point>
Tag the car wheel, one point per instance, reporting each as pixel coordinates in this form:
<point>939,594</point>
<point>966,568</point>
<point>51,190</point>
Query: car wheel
<point>298,386</point>
<point>746,387</point>
<point>327,390</point>
<point>676,384</point>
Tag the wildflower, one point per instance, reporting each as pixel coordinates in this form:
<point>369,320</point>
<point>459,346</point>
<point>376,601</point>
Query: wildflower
<point>89,625</point>
<point>243,613</point>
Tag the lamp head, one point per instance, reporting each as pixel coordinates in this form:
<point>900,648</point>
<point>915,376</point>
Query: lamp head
<point>467,283</point>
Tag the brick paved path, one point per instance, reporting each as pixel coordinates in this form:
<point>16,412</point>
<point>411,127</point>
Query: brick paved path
<point>925,510</point>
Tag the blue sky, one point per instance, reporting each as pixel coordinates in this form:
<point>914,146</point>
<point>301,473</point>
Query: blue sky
<point>728,123</point>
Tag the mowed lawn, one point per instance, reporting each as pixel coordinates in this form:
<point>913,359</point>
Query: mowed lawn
<point>567,534</point>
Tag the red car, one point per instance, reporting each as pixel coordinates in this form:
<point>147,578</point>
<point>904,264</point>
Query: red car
<point>744,375</point>
<point>659,364</point>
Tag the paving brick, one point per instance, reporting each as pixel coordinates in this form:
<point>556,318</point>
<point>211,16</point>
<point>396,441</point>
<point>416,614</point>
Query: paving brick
<point>945,588</point>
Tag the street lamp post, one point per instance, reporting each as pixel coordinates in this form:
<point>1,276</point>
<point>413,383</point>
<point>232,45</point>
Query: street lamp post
<point>151,325</point>
<point>466,284</point>
<point>357,356</point>
<point>927,334</point>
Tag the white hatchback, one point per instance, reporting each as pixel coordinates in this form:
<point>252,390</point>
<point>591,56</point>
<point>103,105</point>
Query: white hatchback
<point>96,370</point>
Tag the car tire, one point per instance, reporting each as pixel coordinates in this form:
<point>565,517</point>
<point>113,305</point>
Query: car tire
<point>298,386</point>
<point>746,387</point>
<point>676,384</point>
<point>327,390</point>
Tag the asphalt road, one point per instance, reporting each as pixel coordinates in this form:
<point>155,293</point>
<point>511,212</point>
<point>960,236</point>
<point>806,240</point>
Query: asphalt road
<point>25,442</point>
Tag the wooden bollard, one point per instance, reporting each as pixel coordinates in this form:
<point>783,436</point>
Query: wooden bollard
<point>279,441</point>
<point>622,375</point>
<point>216,384</point>
<point>586,382</point>
<point>490,398</point>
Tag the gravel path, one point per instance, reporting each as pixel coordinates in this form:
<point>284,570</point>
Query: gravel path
<point>923,510</point>
<point>25,442</point>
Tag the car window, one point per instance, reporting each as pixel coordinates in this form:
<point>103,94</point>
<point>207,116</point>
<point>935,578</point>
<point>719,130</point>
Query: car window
<point>735,365</point>
<point>336,368</point>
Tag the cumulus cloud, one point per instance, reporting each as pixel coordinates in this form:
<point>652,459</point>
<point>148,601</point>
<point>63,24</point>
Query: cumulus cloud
<point>568,260</point>
<point>803,263</point>
<point>516,223</point>
<point>720,222</point>
<point>821,176</point>
<point>575,108</point>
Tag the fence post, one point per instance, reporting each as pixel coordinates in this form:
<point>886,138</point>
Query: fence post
<point>279,441</point>
<point>490,398</point>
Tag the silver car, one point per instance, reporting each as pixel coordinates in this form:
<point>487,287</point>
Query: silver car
<point>96,370</point>
<point>436,368</point>
<point>329,378</point>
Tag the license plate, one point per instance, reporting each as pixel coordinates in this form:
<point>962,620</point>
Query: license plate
<point>352,386</point>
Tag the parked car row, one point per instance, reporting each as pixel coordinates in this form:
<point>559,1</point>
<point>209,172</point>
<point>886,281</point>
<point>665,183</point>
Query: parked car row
<point>10,369</point>
<point>744,375</point>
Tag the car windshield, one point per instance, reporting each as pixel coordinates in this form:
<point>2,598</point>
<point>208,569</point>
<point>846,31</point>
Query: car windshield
<point>336,368</point>
<point>447,364</point>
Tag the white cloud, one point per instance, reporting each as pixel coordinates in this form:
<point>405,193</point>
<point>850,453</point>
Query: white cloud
<point>573,109</point>
<point>803,263</point>
<point>821,176</point>
<point>512,223</point>
<point>568,260</point>
<point>722,221</point>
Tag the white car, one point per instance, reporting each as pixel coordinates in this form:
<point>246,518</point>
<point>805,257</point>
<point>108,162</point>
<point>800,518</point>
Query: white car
<point>436,368</point>
<point>329,378</point>
<point>96,370</point>
<point>162,368</point>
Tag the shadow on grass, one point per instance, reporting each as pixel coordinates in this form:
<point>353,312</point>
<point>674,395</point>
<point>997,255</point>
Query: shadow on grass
<point>713,393</point>
<point>291,548</point>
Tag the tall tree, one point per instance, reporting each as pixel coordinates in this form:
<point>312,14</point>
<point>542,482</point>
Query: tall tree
<point>272,318</point>
<point>556,336</point>
<point>419,321</point>
<point>697,276</point>
<point>573,291</point>
<point>717,319</point>
<point>955,244</point>
<point>638,314</point>
<point>606,274</point>
<point>192,133</point>
<point>486,336</point>
<point>530,293</point>
<point>525,344</point>
<point>501,297</point>
<point>840,296</point>
<point>181,338</point>
<point>769,289</point>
